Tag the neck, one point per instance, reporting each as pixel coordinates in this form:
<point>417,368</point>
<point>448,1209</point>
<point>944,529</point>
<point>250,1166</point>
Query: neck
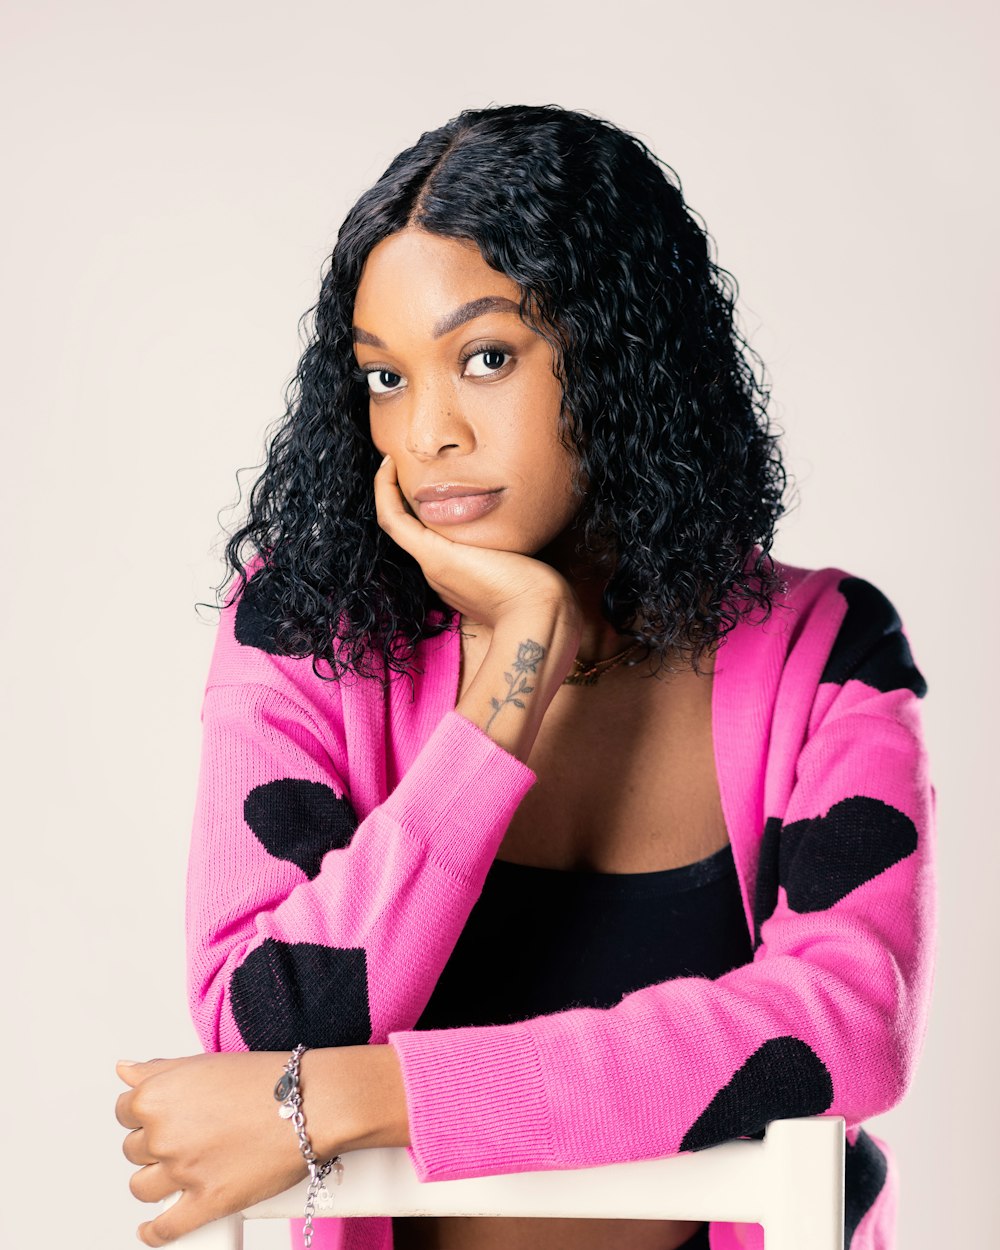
<point>599,640</point>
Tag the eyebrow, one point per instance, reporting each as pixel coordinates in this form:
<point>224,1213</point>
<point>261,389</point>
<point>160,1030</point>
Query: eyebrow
<point>451,321</point>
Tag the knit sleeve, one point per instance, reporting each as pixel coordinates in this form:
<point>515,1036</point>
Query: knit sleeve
<point>304,923</point>
<point>828,1017</point>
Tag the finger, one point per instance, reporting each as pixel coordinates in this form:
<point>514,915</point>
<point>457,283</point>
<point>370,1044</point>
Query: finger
<point>136,1149</point>
<point>132,1072</point>
<point>390,479</point>
<point>184,1216</point>
<point>389,498</point>
<point>125,1112</point>
<point>152,1183</point>
<point>394,516</point>
<point>389,494</point>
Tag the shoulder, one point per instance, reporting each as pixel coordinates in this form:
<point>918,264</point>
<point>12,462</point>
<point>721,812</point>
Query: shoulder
<point>245,651</point>
<point>844,626</point>
<point>359,683</point>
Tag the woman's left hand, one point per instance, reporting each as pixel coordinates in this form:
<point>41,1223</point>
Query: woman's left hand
<point>207,1125</point>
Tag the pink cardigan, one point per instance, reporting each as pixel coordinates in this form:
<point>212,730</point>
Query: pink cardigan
<point>341,838</point>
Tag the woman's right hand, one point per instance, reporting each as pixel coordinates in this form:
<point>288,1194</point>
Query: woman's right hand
<point>533,615</point>
<point>482,583</point>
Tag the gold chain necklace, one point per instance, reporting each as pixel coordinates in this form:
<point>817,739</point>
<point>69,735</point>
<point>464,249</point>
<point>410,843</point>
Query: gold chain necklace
<point>588,674</point>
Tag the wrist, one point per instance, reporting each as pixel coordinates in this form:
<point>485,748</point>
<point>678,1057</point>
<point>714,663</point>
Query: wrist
<point>555,617</point>
<point>556,628</point>
<point>354,1099</point>
<point>384,1118</point>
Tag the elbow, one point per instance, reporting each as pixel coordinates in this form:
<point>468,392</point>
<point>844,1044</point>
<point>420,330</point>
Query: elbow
<point>902,1027</point>
<point>282,993</point>
<point>204,1009</point>
<point>887,1052</point>
<point>872,1035</point>
<point>208,977</point>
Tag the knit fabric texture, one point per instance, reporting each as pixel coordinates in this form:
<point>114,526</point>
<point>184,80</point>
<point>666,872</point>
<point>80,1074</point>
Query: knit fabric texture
<point>342,835</point>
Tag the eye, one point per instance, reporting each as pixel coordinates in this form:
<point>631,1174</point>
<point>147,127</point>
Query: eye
<point>490,352</point>
<point>377,380</point>
<point>382,381</point>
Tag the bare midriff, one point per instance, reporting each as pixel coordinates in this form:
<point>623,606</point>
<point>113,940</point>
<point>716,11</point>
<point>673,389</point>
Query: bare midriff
<point>478,1232</point>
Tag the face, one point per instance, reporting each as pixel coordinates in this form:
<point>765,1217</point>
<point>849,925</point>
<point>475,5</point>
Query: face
<point>462,394</point>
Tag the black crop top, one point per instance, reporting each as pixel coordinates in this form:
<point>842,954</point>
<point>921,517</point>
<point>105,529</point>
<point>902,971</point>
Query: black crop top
<point>540,940</point>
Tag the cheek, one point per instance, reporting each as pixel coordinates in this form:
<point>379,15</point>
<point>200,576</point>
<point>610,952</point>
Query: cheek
<point>382,435</point>
<point>553,499</point>
<point>564,467</point>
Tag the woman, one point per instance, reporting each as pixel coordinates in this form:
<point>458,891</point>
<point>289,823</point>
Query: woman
<point>520,805</point>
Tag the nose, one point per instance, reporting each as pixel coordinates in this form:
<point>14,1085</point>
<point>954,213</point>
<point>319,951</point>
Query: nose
<point>436,423</point>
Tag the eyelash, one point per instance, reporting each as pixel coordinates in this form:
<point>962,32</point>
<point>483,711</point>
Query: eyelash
<point>361,374</point>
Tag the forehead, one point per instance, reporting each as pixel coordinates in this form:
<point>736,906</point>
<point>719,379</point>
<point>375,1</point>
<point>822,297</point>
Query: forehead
<point>413,280</point>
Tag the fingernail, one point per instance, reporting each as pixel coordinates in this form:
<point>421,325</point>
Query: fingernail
<point>385,458</point>
<point>127,1063</point>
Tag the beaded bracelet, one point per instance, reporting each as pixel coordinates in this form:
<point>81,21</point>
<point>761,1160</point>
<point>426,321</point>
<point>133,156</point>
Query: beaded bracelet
<point>288,1093</point>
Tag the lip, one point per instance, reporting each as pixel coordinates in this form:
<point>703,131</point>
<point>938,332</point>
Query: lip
<point>449,490</point>
<point>452,508</point>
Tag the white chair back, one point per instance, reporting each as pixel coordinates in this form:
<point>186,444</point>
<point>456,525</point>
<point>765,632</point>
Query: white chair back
<point>791,1182</point>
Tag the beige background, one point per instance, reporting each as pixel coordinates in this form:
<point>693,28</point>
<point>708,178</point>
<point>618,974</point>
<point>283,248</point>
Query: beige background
<point>175,176</point>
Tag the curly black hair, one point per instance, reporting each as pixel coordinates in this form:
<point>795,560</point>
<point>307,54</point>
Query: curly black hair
<point>685,478</point>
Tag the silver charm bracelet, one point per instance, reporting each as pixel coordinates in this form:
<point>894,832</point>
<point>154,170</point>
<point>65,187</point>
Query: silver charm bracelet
<point>288,1093</point>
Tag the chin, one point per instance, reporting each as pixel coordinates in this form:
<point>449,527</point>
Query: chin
<point>490,538</point>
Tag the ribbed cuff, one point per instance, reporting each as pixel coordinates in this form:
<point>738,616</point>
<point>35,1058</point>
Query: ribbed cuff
<point>459,795</point>
<point>476,1101</point>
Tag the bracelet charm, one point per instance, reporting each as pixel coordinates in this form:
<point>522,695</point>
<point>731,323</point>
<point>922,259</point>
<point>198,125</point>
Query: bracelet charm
<point>289,1095</point>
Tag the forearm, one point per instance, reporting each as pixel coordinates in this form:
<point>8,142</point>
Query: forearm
<point>528,658</point>
<point>356,1098</point>
<point>353,1098</point>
